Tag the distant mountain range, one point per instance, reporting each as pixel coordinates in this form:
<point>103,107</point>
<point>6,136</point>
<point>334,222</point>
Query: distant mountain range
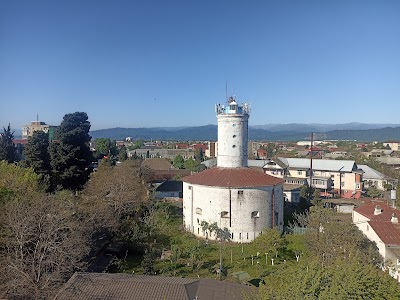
<point>268,132</point>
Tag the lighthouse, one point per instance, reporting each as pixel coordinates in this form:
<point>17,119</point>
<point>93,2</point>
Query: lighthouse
<point>242,199</point>
<point>233,120</point>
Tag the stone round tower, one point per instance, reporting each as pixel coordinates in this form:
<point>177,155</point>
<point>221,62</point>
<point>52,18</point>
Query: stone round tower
<point>232,134</point>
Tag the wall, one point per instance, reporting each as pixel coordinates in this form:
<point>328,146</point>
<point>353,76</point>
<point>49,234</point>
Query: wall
<point>232,140</point>
<point>214,200</point>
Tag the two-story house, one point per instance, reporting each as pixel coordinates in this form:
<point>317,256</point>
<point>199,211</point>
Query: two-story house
<point>342,176</point>
<point>379,223</point>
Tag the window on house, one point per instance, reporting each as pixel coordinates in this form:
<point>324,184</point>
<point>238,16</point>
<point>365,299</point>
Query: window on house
<point>234,136</point>
<point>199,211</point>
<point>234,146</point>
<point>299,172</point>
<point>255,214</point>
<point>224,214</point>
<point>189,187</point>
<point>240,193</point>
<point>342,184</point>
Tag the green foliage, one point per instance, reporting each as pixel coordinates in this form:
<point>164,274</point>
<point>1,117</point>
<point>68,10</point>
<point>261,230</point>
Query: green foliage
<point>138,144</point>
<point>7,150</point>
<point>17,180</point>
<point>373,192</point>
<point>106,147</point>
<point>37,156</point>
<point>316,198</point>
<point>190,164</point>
<point>70,154</point>
<point>270,241</point>
<point>179,162</point>
<point>199,155</point>
<point>123,155</point>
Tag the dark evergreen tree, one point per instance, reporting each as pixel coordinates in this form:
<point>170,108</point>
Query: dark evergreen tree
<point>123,155</point>
<point>7,149</point>
<point>70,153</point>
<point>37,156</point>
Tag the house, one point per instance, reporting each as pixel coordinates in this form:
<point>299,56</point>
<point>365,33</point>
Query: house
<point>379,223</point>
<point>118,286</point>
<point>169,189</point>
<point>374,153</point>
<point>372,177</point>
<point>391,161</point>
<point>28,130</point>
<point>211,151</point>
<point>291,192</point>
<point>261,154</point>
<point>343,176</point>
<point>394,145</point>
<point>160,169</point>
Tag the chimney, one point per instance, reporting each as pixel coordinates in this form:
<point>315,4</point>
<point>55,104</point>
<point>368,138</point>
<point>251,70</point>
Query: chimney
<point>378,210</point>
<point>394,219</point>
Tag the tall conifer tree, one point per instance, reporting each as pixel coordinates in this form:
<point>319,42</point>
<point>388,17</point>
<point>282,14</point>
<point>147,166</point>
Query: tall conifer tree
<point>7,150</point>
<point>70,153</point>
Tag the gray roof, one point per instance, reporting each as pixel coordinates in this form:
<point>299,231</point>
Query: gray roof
<point>108,286</point>
<point>319,164</point>
<point>389,160</point>
<point>210,163</point>
<point>257,162</point>
<point>370,173</point>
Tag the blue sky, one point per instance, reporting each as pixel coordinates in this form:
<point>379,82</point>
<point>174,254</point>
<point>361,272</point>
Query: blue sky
<point>166,63</point>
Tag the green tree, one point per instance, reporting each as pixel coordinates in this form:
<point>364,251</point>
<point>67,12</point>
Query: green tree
<point>316,197</point>
<point>123,155</point>
<point>37,156</point>
<point>7,150</point>
<point>199,155</point>
<point>179,162</point>
<point>373,192</point>
<point>346,279</point>
<point>106,147</point>
<point>16,180</point>
<point>190,164</point>
<point>270,241</point>
<point>70,153</point>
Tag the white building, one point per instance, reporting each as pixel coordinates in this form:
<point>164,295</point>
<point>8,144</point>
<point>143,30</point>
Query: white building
<point>343,176</point>
<point>234,196</point>
<point>379,223</point>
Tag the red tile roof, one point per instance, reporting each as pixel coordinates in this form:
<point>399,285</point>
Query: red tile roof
<point>367,210</point>
<point>387,231</point>
<point>232,177</point>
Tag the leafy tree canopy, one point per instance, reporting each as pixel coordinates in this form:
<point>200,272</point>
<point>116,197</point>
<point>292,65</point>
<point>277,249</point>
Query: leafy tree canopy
<point>37,156</point>
<point>179,162</point>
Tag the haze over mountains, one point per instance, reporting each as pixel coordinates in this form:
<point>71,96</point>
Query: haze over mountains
<point>268,132</point>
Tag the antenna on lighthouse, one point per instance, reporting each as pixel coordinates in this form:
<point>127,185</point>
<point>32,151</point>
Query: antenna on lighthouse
<point>226,90</point>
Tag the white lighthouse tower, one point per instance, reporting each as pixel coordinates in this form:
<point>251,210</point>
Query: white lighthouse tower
<point>232,134</point>
<point>242,199</point>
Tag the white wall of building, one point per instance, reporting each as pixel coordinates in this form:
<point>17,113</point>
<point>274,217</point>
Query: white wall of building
<point>249,210</point>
